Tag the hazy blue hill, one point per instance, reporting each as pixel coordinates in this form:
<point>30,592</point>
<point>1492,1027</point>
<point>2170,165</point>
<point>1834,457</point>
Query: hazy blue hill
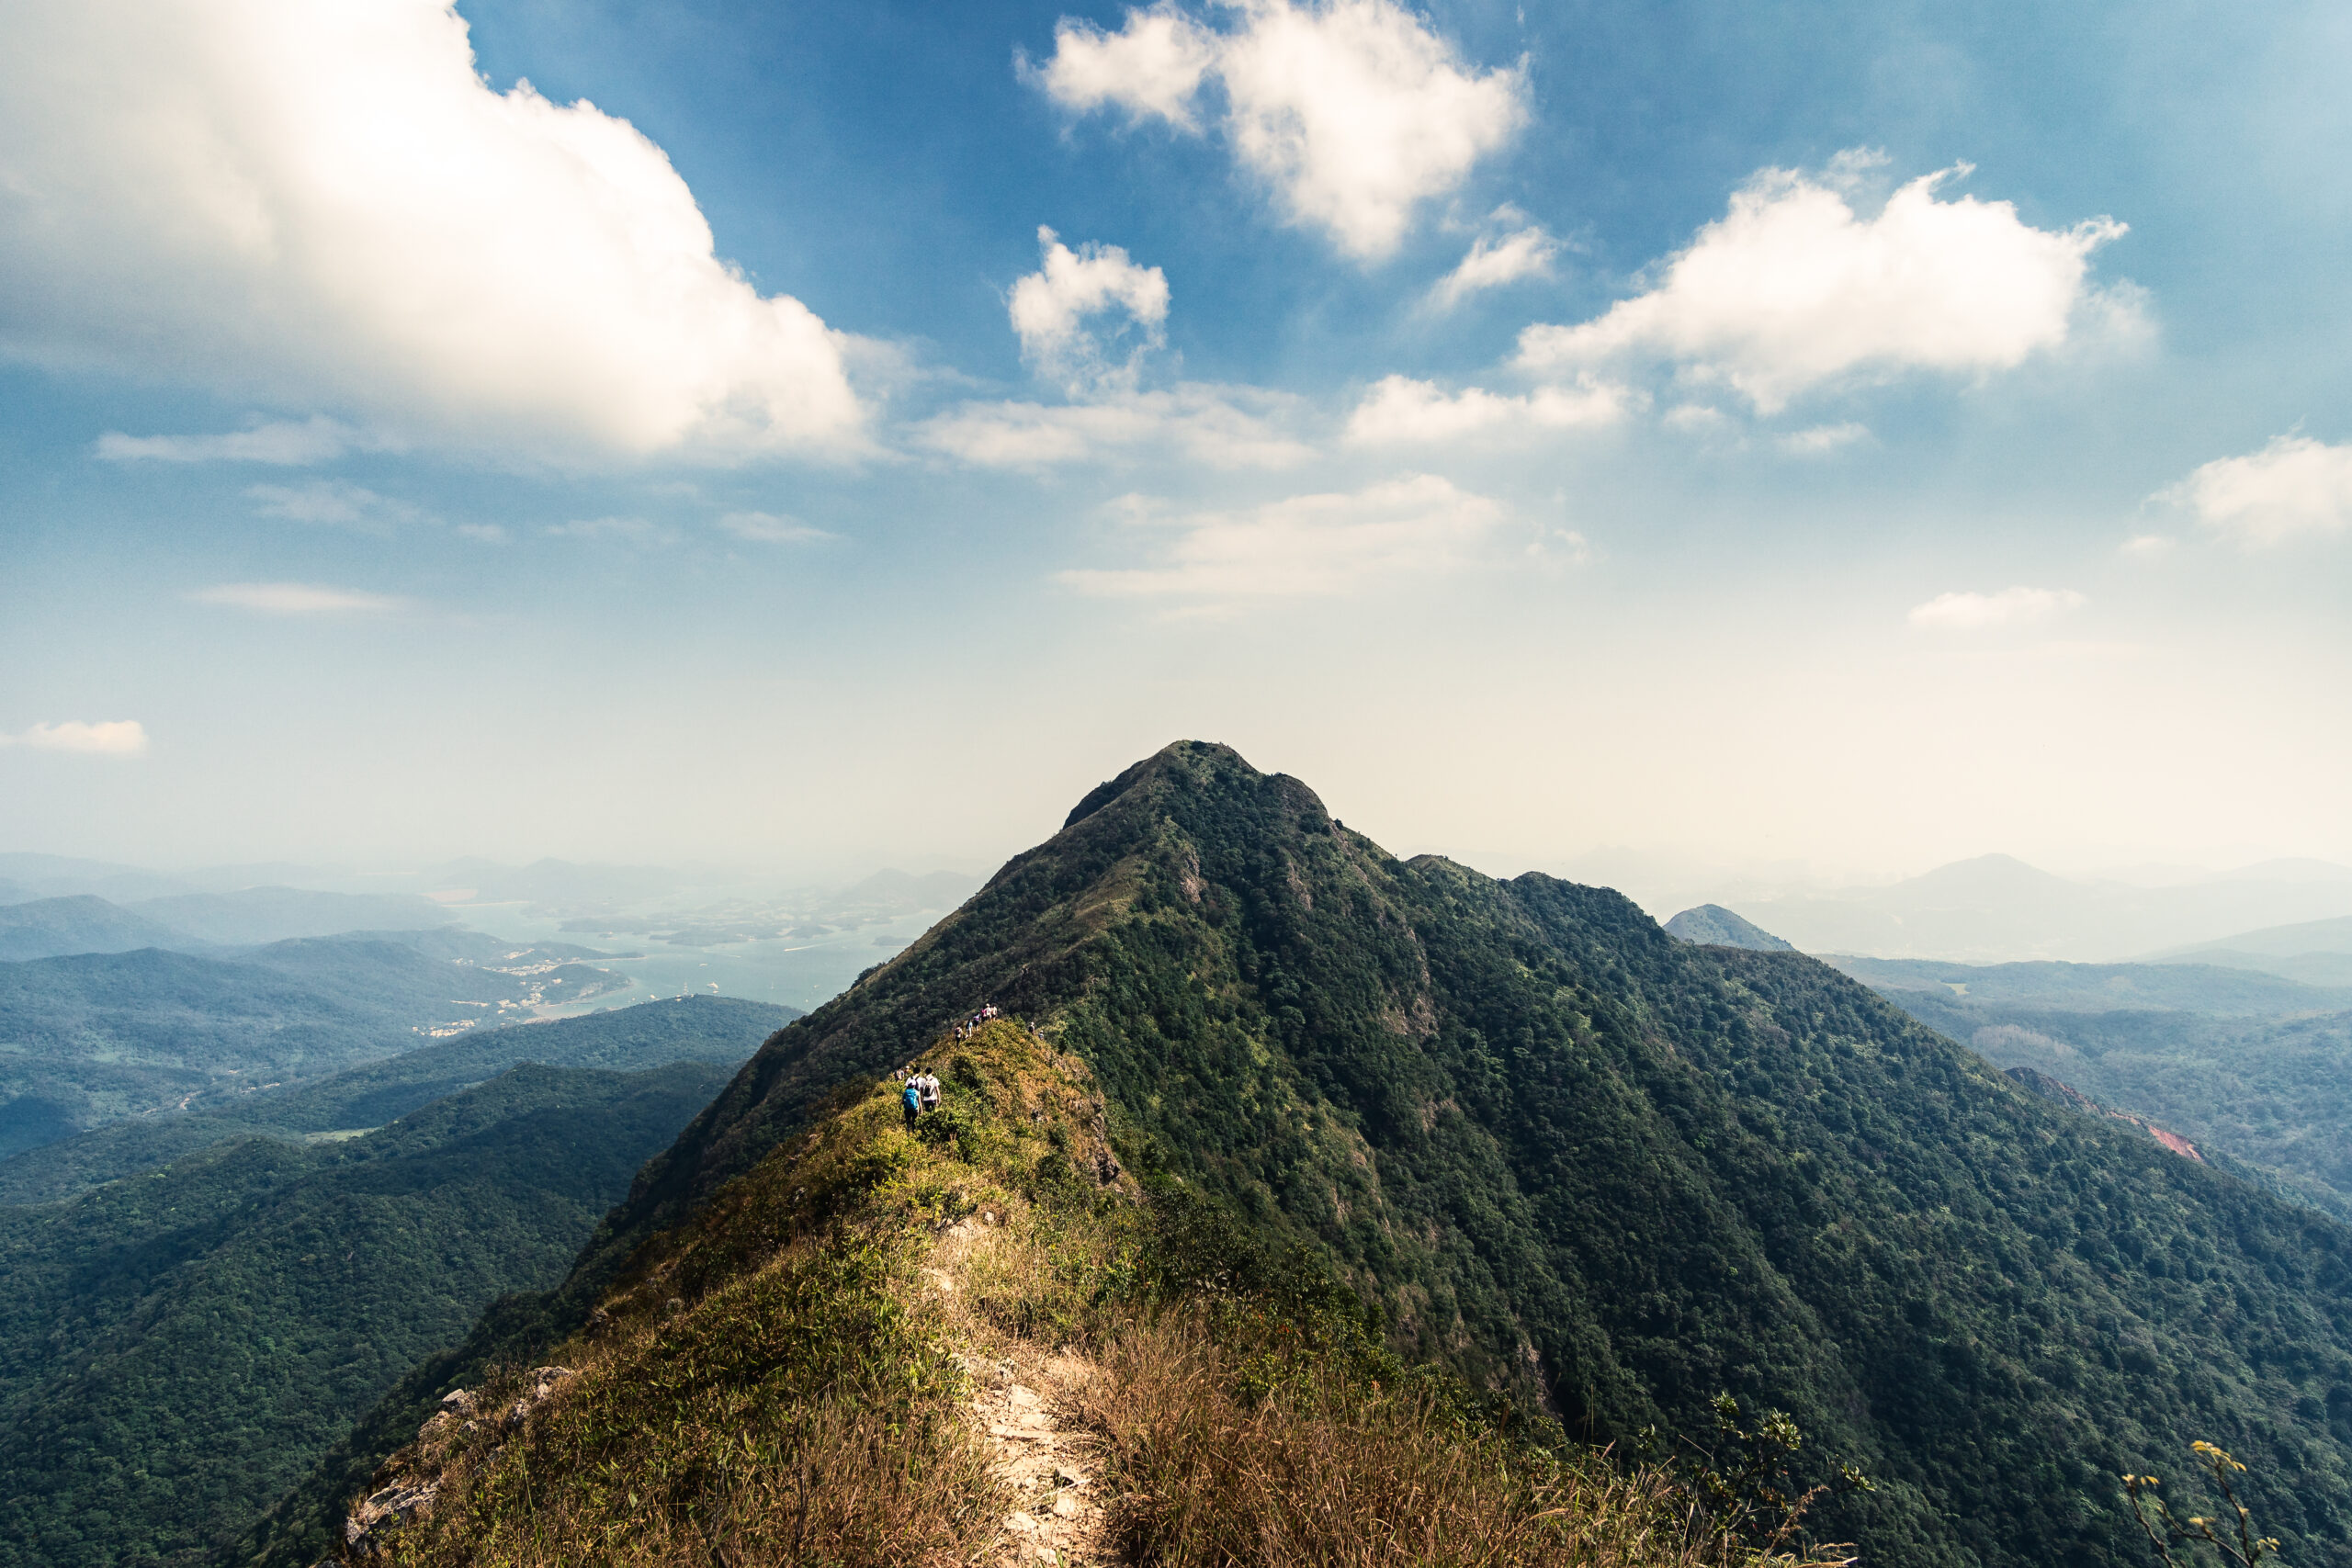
<point>274,914</point>
<point>175,1349</point>
<point>50,876</point>
<point>459,945</point>
<point>1995,908</point>
<point>2316,952</point>
<point>1611,1171</point>
<point>2099,987</point>
<point>651,1035</point>
<point>387,972</point>
<point>2281,942</point>
<point>1714,924</point>
<point>89,1038</point>
<point>47,928</point>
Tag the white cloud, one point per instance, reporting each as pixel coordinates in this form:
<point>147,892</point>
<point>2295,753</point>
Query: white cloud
<point>307,599</point>
<point>1819,440</point>
<point>1051,307</point>
<point>484,533</point>
<point>1492,263</point>
<point>772,528</point>
<point>1399,410</point>
<point>104,738</point>
<point>1353,111</point>
<point>1970,611</point>
<point>332,503</point>
<point>1152,65</point>
<point>2148,547</point>
<point>285,444</point>
<point>2292,488</point>
<point>1306,546</point>
<point>325,205</point>
<point>1794,290</point>
<point>636,531</point>
<point>1220,427</point>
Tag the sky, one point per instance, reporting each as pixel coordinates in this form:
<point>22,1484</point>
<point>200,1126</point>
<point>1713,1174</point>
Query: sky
<point>1847,435</point>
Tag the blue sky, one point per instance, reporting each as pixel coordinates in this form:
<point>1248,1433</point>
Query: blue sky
<point>1860,435</point>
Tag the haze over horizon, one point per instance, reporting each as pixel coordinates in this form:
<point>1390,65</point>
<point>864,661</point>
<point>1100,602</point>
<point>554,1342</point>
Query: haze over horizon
<point>1854,439</point>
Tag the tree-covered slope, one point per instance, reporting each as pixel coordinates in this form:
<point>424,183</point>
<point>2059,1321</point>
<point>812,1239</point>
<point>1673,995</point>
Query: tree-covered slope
<point>175,1349</point>
<point>2272,1094</point>
<point>1618,1174</point>
<point>650,1034</point>
<point>44,928</point>
<point>1712,925</point>
<point>93,1037</point>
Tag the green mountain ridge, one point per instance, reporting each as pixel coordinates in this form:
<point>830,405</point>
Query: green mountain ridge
<point>630,1039</point>
<point>89,1038</point>
<point>1601,1170</point>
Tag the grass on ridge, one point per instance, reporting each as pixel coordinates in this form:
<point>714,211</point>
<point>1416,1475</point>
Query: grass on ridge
<point>771,1383</point>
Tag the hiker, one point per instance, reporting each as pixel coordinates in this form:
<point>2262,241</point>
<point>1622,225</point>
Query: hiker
<point>930,1091</point>
<point>913,1100</point>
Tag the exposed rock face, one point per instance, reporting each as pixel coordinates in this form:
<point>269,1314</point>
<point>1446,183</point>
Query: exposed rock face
<point>411,1481</point>
<point>2066,1094</point>
<point>365,1533</point>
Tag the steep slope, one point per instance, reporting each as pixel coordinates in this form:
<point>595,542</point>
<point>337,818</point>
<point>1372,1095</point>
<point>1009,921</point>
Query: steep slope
<point>175,1349</point>
<point>2272,1095</point>
<point>975,1340</point>
<point>1614,1174</point>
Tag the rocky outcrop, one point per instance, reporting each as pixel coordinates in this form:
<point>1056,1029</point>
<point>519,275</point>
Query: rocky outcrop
<point>408,1484</point>
<point>2066,1094</point>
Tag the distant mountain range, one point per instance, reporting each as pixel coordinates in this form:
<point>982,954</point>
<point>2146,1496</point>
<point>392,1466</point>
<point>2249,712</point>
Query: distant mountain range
<point>45,928</point>
<point>1995,908</point>
<point>89,1037</point>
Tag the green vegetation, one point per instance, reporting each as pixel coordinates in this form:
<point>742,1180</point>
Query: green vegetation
<point>91,1038</point>
<point>1712,924</point>
<point>2270,1098</point>
<point>177,1348</point>
<point>2235,1542</point>
<point>651,1034</point>
<point>42,928</point>
<point>786,1378</point>
<point>2098,988</point>
<point>1603,1177</point>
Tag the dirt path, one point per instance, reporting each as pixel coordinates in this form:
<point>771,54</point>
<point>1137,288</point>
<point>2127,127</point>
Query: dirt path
<point>1046,1462</point>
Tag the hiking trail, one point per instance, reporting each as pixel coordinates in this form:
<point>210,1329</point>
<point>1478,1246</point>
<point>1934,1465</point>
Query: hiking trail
<point>1022,1410</point>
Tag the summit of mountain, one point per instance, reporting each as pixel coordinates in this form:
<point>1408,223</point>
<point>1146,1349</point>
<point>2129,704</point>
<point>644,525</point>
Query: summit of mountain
<point>1994,880</point>
<point>1713,923</point>
<point>82,922</point>
<point>1590,1167</point>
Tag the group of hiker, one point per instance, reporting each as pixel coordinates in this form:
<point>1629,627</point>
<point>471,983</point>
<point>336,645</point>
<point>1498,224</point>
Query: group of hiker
<point>921,1092</point>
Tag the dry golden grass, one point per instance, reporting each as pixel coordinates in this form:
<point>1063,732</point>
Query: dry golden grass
<point>782,1380</point>
<point>1343,1476</point>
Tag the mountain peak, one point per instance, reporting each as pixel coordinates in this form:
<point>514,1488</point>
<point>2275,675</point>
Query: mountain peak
<point>1712,925</point>
<point>1193,763</point>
